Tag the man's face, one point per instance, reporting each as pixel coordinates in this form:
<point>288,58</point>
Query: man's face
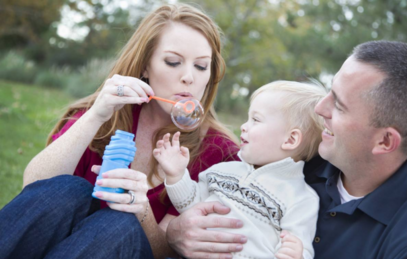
<point>348,137</point>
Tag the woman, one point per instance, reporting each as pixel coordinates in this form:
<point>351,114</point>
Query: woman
<point>175,52</point>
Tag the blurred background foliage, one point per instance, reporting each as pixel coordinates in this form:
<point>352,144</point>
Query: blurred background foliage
<point>70,45</point>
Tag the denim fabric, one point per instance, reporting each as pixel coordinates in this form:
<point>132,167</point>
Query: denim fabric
<point>58,218</point>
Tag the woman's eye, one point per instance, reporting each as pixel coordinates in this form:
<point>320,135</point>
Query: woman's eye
<point>202,68</point>
<point>172,64</point>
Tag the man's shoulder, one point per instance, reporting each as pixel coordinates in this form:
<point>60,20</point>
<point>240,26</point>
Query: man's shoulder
<point>393,242</point>
<point>313,167</point>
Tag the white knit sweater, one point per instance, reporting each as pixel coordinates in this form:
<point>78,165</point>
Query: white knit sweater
<point>269,199</point>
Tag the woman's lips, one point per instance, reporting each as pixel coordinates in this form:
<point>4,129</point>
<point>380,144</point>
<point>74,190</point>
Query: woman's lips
<point>183,94</point>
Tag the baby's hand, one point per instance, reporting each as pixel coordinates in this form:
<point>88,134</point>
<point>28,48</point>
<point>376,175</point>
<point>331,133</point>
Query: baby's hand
<point>172,158</point>
<point>291,246</point>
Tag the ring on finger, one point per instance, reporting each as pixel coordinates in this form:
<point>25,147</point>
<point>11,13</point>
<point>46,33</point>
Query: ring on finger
<point>120,90</point>
<point>132,197</point>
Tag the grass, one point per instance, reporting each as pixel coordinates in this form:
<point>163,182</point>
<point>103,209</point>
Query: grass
<point>27,115</point>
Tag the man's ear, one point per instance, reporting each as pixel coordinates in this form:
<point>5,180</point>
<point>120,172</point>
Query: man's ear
<point>293,140</point>
<point>388,141</point>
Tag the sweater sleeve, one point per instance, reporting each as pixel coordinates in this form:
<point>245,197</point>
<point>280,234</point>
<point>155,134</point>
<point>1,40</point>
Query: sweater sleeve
<point>186,193</point>
<point>301,220</point>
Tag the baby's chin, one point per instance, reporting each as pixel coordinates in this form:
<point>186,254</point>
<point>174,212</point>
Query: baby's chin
<point>252,160</point>
<point>247,159</point>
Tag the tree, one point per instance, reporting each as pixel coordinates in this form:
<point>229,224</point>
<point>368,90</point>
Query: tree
<point>25,21</point>
<point>255,48</point>
<point>295,40</point>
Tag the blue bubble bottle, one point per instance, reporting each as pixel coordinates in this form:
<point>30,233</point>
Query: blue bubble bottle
<point>118,154</point>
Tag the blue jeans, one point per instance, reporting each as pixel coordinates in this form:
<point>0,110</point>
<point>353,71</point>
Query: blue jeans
<point>58,218</point>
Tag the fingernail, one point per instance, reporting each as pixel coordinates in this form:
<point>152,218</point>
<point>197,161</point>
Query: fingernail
<point>239,224</point>
<point>105,175</point>
<point>151,93</point>
<point>93,168</point>
<point>243,240</point>
<point>228,256</point>
<point>239,247</point>
<point>99,194</point>
<point>99,182</point>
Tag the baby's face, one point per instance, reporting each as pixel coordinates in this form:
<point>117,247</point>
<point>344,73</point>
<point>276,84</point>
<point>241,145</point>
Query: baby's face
<point>265,131</point>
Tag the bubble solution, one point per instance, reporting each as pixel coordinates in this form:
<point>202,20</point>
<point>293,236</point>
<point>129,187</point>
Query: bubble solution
<point>118,154</point>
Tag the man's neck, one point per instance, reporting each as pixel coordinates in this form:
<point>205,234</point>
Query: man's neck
<point>360,181</point>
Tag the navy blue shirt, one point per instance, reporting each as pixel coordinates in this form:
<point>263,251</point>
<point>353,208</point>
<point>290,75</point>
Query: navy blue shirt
<point>371,227</point>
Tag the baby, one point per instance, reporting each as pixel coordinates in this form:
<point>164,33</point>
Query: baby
<point>266,190</point>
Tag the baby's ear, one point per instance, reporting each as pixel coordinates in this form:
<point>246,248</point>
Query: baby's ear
<point>293,140</point>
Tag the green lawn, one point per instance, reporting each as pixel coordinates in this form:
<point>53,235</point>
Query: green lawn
<point>27,115</point>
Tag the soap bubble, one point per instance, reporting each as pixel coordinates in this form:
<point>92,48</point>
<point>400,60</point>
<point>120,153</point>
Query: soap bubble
<point>187,113</point>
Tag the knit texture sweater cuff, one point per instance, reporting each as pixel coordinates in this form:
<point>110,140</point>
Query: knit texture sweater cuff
<point>183,190</point>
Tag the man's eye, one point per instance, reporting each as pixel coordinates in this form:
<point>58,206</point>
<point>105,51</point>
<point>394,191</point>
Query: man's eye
<point>337,106</point>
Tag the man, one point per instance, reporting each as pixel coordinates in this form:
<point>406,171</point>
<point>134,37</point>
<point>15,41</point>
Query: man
<point>363,188</point>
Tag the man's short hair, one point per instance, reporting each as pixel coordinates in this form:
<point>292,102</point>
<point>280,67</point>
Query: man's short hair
<point>299,102</point>
<point>389,98</point>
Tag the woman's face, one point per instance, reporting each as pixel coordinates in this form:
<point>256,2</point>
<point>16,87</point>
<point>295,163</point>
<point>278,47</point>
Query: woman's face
<point>180,65</point>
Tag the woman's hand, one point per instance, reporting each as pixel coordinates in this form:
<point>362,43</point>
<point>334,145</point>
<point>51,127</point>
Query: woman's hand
<point>134,91</point>
<point>173,159</point>
<point>127,179</point>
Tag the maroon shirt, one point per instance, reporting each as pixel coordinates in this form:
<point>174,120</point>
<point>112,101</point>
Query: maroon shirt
<point>216,149</point>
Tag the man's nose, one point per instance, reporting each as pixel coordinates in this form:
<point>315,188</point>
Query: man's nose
<point>323,107</point>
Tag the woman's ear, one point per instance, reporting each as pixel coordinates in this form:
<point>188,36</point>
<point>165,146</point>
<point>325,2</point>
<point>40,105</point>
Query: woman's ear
<point>293,140</point>
<point>389,140</point>
<point>145,73</point>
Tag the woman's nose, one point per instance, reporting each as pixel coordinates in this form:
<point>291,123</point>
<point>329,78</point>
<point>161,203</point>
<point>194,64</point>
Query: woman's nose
<point>187,78</point>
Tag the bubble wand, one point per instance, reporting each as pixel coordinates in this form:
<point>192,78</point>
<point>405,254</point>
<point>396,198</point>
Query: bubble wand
<point>189,106</point>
